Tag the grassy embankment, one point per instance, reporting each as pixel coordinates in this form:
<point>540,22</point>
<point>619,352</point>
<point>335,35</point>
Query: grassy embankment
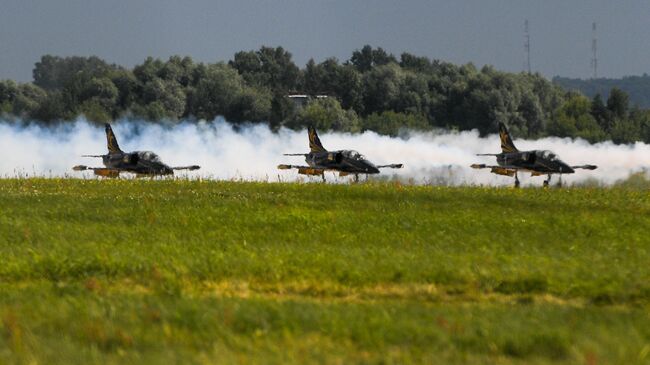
<point>204,272</point>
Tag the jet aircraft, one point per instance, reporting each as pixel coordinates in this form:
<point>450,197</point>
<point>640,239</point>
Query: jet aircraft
<point>345,162</point>
<point>141,163</point>
<point>537,162</point>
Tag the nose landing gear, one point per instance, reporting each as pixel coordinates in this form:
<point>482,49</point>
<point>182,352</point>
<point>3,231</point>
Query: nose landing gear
<point>516,180</point>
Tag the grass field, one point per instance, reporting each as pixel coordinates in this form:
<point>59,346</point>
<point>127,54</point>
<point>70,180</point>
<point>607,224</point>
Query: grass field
<point>124,271</point>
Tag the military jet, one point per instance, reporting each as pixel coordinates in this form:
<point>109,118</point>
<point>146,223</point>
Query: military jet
<point>141,163</point>
<point>345,162</point>
<point>537,162</point>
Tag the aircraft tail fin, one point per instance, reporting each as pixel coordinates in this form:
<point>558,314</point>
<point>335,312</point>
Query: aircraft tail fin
<point>507,145</point>
<point>111,141</point>
<point>315,144</point>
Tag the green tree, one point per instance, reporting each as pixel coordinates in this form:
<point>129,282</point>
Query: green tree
<point>167,93</point>
<point>248,64</point>
<point>413,95</point>
<point>381,87</point>
<point>573,119</point>
<point>55,73</point>
<point>102,90</point>
<point>601,113</point>
<point>415,63</point>
<point>216,92</point>
<point>313,78</point>
<point>349,88</point>
<point>128,90</point>
<point>334,79</point>
<point>8,94</point>
<point>178,69</point>
<point>391,123</point>
<point>325,114</point>
<point>362,59</point>
<point>94,111</point>
<point>282,109</point>
<point>29,100</point>
<point>251,105</point>
<point>631,129</point>
<point>269,67</point>
<point>51,108</point>
<point>618,103</point>
<point>367,58</point>
<point>532,114</point>
<point>625,131</point>
<point>149,70</point>
<point>154,111</point>
<point>644,125</point>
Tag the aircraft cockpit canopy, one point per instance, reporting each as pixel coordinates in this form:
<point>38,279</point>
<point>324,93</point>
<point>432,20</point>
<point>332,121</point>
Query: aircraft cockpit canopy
<point>353,154</point>
<point>548,155</point>
<point>148,156</point>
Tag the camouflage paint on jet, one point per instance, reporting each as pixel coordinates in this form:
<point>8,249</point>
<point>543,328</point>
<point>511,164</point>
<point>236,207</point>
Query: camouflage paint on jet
<point>141,163</point>
<point>537,162</point>
<point>345,162</point>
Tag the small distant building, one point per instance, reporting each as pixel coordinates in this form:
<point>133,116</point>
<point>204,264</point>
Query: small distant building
<point>300,100</point>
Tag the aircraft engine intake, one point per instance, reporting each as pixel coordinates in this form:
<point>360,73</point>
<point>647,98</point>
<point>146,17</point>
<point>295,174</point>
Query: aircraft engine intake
<point>335,156</point>
<point>131,158</point>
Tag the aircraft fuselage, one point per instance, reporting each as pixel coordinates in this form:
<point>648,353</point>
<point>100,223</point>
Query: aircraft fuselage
<point>538,161</point>
<point>343,160</point>
<point>137,162</point>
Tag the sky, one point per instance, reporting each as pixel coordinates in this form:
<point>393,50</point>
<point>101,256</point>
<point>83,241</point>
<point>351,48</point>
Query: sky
<point>461,31</point>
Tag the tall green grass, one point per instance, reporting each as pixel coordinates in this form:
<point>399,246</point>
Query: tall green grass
<point>140,271</point>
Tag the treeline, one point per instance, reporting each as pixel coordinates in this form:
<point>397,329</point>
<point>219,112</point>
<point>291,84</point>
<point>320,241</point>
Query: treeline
<point>637,87</point>
<point>373,90</point>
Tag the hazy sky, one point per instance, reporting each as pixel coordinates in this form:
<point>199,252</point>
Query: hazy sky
<point>478,31</point>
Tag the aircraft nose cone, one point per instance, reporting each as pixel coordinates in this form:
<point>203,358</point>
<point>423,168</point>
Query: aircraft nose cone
<point>566,169</point>
<point>166,170</point>
<point>370,168</point>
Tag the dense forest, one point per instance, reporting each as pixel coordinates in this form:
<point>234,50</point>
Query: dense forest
<point>373,90</point>
<point>637,87</point>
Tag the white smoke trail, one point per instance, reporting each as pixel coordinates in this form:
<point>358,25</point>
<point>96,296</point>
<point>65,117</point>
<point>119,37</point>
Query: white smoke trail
<point>254,151</point>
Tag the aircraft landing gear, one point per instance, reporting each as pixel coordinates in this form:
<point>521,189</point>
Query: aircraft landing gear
<point>356,178</point>
<point>323,176</point>
<point>516,180</point>
<point>547,181</point>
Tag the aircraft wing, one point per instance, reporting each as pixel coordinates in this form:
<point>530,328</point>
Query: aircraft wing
<point>99,171</point>
<point>499,170</point>
<point>288,167</point>
<point>305,170</point>
<point>586,167</point>
<point>308,170</point>
<point>300,168</point>
<point>484,166</point>
<point>190,168</point>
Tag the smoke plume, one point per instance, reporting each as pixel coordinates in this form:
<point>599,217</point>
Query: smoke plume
<point>253,152</point>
